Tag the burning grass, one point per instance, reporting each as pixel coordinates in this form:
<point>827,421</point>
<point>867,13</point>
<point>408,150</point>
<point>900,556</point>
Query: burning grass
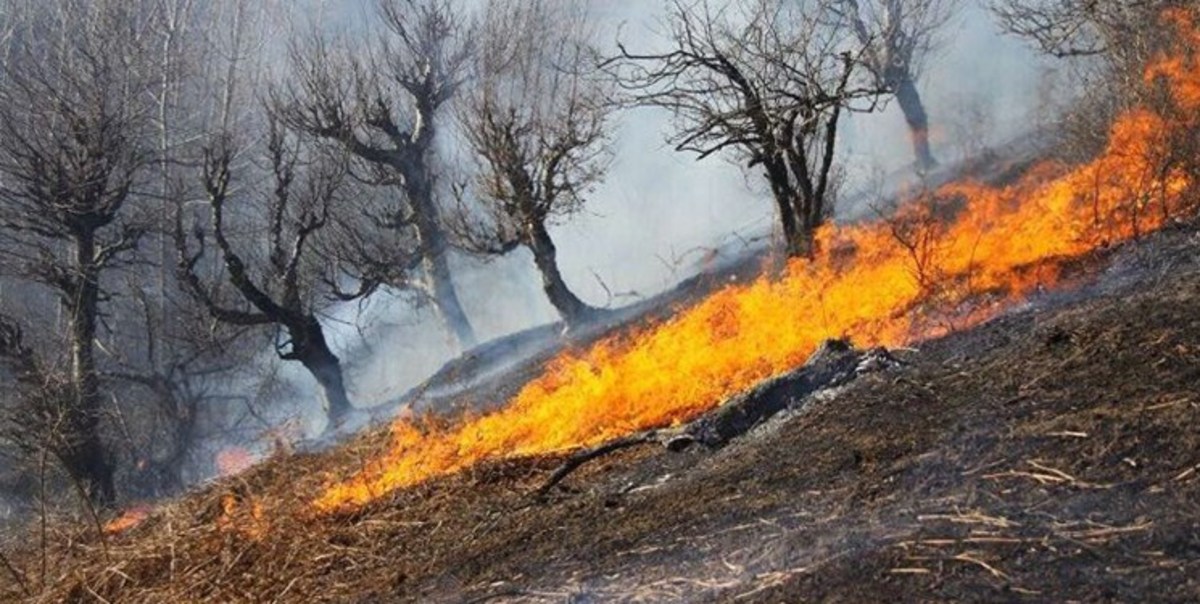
<point>1051,453</point>
<point>1015,466</point>
<point>1002,242</point>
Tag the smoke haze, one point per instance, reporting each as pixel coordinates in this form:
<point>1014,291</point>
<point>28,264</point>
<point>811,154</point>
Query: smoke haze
<point>660,214</point>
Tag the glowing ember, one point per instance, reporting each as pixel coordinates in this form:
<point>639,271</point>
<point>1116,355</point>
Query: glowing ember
<point>994,244</point>
<point>238,517</point>
<point>234,460</point>
<point>127,520</point>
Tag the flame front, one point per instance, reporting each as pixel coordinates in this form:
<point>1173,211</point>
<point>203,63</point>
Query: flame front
<point>989,248</point>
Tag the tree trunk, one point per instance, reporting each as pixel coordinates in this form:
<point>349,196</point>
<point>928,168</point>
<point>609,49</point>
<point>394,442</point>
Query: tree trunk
<point>446,297</point>
<point>434,256</point>
<point>312,350</point>
<point>918,122</point>
<point>82,451</point>
<point>800,245</point>
<point>784,194</point>
<point>545,256</point>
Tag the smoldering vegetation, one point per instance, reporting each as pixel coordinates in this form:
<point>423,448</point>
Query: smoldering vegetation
<point>223,238</point>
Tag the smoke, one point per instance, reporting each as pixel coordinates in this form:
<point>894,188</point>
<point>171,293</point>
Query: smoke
<point>660,215</point>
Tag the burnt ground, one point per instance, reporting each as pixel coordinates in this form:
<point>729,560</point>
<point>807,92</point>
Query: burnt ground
<point>1052,454</point>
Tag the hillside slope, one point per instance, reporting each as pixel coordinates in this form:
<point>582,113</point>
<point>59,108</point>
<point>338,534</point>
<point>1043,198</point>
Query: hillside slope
<point>1050,454</point>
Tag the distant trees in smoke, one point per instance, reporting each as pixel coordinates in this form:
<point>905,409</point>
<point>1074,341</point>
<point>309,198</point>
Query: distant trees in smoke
<point>185,202</point>
<point>537,118</point>
<point>384,104</point>
<point>1106,46</point>
<point>898,37</point>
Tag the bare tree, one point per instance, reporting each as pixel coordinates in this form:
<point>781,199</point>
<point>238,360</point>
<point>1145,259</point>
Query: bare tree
<point>1114,29</point>
<point>536,119</point>
<point>167,358</point>
<point>897,38</point>
<point>74,145</point>
<point>299,274</point>
<point>383,108</point>
<point>1106,46</point>
<point>766,80</point>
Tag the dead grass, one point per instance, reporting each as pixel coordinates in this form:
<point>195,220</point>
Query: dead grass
<point>1047,455</point>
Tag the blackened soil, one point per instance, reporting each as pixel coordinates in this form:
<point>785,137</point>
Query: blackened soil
<point>1052,454</point>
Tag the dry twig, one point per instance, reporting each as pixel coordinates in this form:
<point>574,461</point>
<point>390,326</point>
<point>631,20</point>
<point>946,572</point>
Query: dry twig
<point>966,557</point>
<point>17,575</point>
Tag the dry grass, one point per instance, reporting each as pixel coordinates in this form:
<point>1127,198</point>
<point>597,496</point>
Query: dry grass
<point>1001,462</point>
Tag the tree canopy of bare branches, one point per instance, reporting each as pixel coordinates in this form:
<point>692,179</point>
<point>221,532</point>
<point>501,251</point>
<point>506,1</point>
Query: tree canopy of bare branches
<point>300,272</point>
<point>383,107</point>
<point>536,118</point>
<point>74,147</point>
<point>897,38</point>
<point>766,81</point>
<point>1079,28</point>
<point>1105,43</point>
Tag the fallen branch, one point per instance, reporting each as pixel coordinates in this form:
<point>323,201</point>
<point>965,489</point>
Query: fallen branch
<point>1046,475</point>
<point>1103,533</point>
<point>579,458</point>
<point>1186,473</point>
<point>910,570</point>
<point>971,518</point>
<point>1068,434</point>
<point>980,563</point>
<point>834,364</point>
<point>950,542</point>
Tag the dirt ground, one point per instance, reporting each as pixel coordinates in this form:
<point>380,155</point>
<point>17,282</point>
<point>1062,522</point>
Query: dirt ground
<point>1052,454</point>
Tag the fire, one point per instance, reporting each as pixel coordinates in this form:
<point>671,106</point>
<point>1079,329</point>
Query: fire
<point>988,248</point>
<point>238,517</point>
<point>129,519</point>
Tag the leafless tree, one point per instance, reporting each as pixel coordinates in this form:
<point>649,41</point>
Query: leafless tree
<point>897,37</point>
<point>1080,28</point>
<point>766,80</point>
<point>167,359</point>
<point>163,357</point>
<point>300,272</point>
<point>383,107</point>
<point>74,146</point>
<point>536,118</point>
<point>1107,46</point>
<point>1106,41</point>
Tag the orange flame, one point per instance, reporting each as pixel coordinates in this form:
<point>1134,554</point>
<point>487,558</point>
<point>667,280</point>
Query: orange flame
<point>246,520</point>
<point>998,244</point>
<point>129,519</point>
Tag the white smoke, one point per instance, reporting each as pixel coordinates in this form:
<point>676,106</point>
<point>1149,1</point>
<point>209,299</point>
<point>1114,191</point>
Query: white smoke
<point>658,213</point>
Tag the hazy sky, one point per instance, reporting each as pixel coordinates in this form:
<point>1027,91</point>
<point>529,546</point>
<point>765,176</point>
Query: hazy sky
<point>641,229</point>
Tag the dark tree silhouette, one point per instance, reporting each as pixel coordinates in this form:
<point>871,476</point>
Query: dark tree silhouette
<point>766,80</point>
<point>75,115</point>
<point>536,118</point>
<point>383,108</point>
<point>303,268</point>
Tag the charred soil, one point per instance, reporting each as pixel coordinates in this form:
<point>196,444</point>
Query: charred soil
<point>1051,454</point>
